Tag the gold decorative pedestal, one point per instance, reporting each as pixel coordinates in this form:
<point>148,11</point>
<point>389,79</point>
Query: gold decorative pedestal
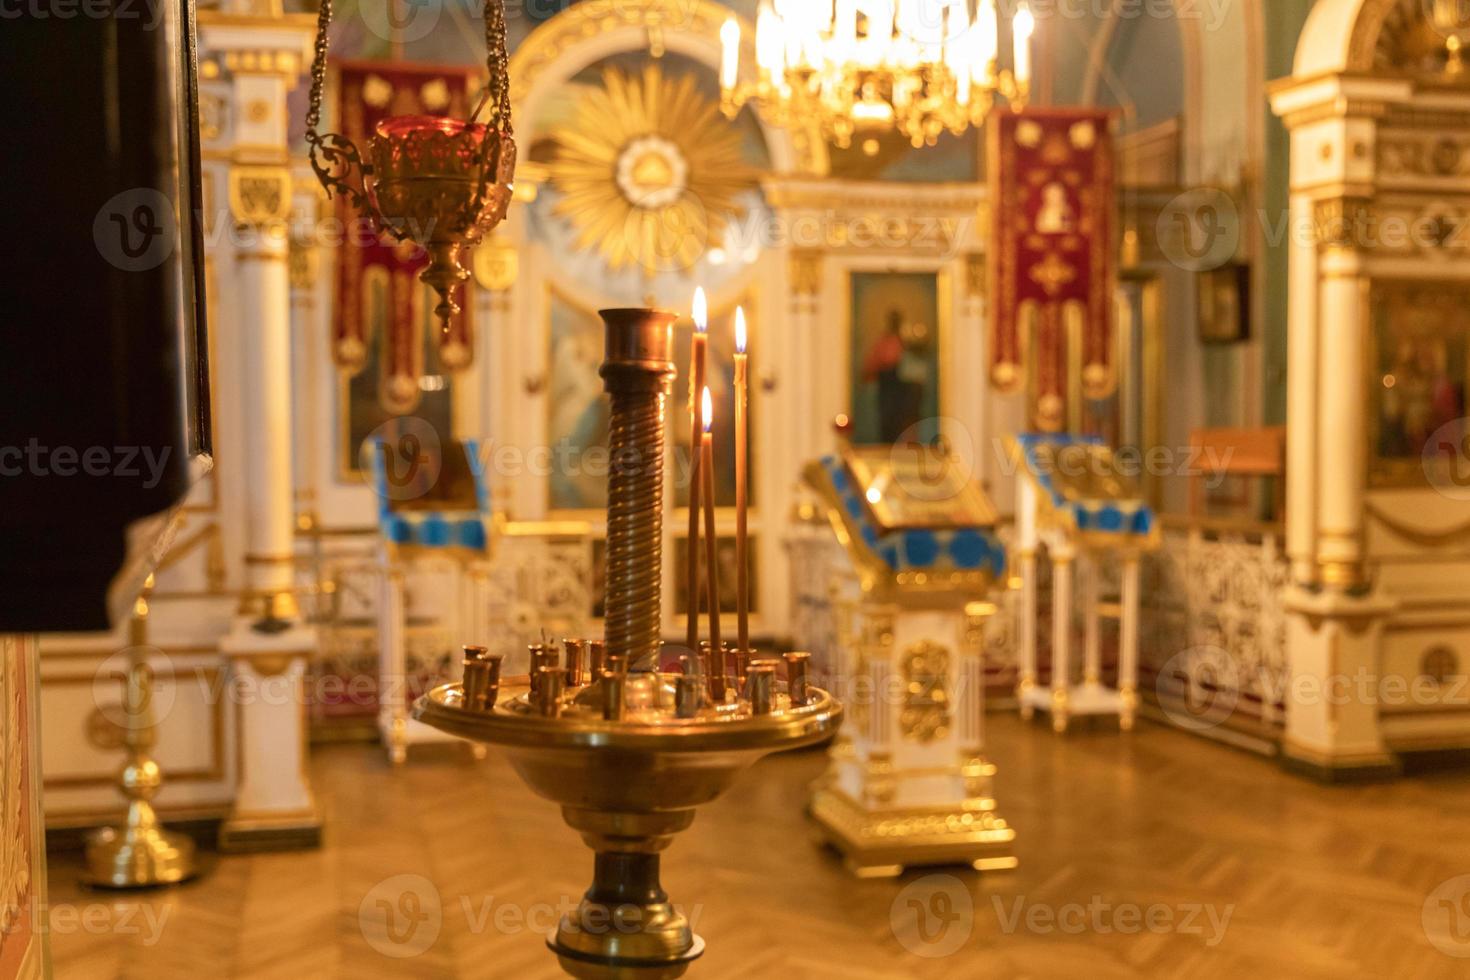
<point>628,786</point>
<point>879,842</point>
<point>909,784</point>
<point>140,853</point>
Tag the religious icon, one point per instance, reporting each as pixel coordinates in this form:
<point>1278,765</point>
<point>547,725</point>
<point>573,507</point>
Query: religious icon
<point>895,369</point>
<point>1055,216</point>
<point>362,394</point>
<point>1419,379</point>
<point>577,411</point>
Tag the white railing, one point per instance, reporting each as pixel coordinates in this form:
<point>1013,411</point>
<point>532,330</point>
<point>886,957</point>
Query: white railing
<point>1214,633</point>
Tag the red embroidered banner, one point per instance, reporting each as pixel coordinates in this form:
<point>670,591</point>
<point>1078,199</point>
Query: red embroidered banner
<point>1052,266</point>
<point>377,278</point>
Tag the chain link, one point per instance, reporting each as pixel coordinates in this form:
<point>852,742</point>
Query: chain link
<point>319,71</point>
<point>497,62</point>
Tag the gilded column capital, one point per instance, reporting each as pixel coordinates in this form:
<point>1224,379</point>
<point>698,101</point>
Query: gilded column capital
<point>1342,222</point>
<point>260,197</point>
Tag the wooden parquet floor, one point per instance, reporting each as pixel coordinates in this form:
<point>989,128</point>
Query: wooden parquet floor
<point>1317,882</point>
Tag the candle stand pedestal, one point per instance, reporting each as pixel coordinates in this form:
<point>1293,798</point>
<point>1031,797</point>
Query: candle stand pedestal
<point>626,748</point>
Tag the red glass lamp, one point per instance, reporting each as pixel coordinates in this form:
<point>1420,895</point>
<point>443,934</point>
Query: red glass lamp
<point>440,183</point>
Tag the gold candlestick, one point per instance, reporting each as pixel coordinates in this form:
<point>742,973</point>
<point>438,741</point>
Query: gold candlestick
<point>742,494</point>
<point>711,544</point>
<point>698,345</point>
<point>141,853</point>
<point>625,760</point>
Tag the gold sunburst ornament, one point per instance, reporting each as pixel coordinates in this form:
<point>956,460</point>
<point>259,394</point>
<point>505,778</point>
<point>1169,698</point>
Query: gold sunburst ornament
<point>649,170</point>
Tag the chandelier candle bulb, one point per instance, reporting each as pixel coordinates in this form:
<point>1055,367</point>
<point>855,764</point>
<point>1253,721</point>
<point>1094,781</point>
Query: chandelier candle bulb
<point>729,53</point>
<point>1022,28</point>
<point>697,348</point>
<point>742,492</point>
<point>711,543</point>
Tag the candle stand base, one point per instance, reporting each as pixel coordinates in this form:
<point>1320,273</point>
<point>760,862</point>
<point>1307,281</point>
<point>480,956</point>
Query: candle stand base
<point>883,842</point>
<point>628,786</point>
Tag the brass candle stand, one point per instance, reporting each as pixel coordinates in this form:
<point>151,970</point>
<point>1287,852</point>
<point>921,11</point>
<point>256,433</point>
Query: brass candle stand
<point>627,747</point>
<point>141,852</point>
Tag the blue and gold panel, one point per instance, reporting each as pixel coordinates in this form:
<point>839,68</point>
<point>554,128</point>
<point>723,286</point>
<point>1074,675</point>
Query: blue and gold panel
<point>443,506</point>
<point>1082,490</point>
<point>943,559</point>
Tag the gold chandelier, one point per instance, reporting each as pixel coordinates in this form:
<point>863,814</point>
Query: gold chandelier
<point>921,67</point>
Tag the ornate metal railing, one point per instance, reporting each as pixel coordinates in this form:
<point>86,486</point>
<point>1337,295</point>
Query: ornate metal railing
<point>1213,657</point>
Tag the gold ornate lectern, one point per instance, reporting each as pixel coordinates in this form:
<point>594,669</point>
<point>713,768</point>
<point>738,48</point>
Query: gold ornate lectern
<point>909,783</point>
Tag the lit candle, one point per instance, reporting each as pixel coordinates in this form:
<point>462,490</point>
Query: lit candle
<point>711,543</point>
<point>1022,27</point>
<point>742,493</point>
<point>696,411</point>
<point>730,54</point>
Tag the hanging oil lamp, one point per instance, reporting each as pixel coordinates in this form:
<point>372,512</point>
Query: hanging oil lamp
<point>432,181</point>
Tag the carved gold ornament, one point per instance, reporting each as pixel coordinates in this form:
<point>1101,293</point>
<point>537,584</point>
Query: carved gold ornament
<point>260,196</point>
<point>648,170</point>
<point>926,706</point>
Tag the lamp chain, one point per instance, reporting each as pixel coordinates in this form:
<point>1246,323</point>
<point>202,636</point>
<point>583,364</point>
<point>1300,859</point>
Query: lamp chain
<point>318,72</point>
<point>497,62</point>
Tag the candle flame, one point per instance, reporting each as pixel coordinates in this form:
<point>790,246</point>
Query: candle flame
<point>701,311</point>
<point>709,410</point>
<point>740,329</point>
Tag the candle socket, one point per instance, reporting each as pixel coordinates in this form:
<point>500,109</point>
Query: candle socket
<point>576,651</point>
<point>596,659</point>
<point>539,657</point>
<point>767,663</point>
<point>687,696</point>
<point>481,678</point>
<point>473,682</point>
<point>549,690</point>
<point>617,665</point>
<point>796,673</point>
<point>761,687</point>
<point>715,669</point>
<point>612,696</point>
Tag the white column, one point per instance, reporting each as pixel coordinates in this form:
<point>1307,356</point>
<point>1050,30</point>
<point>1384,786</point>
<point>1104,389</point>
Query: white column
<point>257,57</point>
<point>1090,571</point>
<point>1128,639</point>
<point>1342,415</point>
<point>265,372</point>
<point>1061,634</point>
<point>1027,541</point>
<point>392,663</point>
<point>1301,396</point>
